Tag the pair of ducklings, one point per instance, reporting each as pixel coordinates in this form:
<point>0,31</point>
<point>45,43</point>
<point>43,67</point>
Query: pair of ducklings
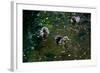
<point>44,32</point>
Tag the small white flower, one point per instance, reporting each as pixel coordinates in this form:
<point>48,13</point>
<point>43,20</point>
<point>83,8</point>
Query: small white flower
<point>55,56</point>
<point>80,56</point>
<point>32,48</point>
<point>46,17</point>
<point>69,55</point>
<point>24,55</point>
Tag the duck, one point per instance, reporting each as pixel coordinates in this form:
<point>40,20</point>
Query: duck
<point>75,19</point>
<point>44,32</point>
<point>61,40</point>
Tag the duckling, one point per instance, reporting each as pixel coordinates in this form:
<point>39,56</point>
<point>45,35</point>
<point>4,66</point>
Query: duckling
<point>75,19</point>
<point>61,39</point>
<point>44,32</point>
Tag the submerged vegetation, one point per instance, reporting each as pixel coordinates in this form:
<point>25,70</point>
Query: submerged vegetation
<point>42,28</point>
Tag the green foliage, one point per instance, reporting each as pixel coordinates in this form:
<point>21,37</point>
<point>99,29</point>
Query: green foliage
<point>58,23</point>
